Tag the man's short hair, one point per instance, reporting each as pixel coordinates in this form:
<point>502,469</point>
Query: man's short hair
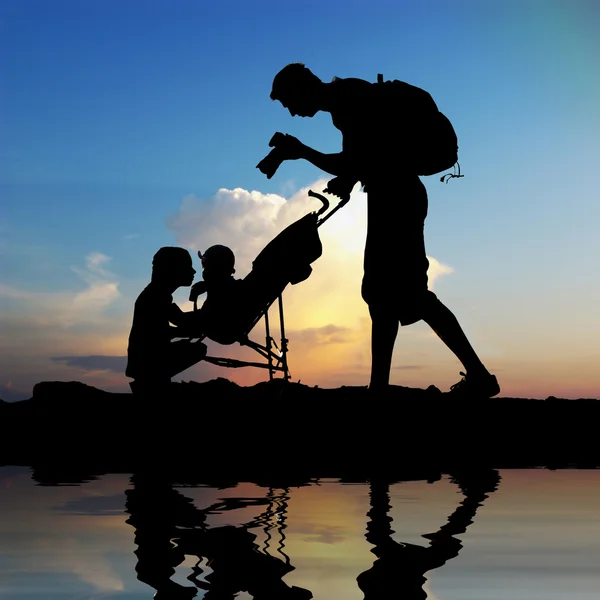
<point>292,79</point>
<point>169,257</point>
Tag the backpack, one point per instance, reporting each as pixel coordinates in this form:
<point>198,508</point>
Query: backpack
<point>429,139</point>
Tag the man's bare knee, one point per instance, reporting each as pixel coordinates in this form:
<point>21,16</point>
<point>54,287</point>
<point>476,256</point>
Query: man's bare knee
<point>431,305</point>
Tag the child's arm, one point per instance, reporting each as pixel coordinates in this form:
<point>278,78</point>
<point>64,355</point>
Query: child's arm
<point>197,289</point>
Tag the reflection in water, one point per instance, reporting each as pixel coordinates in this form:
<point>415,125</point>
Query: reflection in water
<point>276,511</point>
<point>168,527</point>
<point>400,568</point>
<point>539,535</point>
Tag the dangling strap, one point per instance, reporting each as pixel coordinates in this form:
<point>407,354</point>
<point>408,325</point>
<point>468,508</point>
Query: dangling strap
<point>448,176</point>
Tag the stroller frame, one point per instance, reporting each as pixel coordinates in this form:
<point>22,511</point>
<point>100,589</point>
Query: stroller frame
<point>275,361</point>
<point>274,355</point>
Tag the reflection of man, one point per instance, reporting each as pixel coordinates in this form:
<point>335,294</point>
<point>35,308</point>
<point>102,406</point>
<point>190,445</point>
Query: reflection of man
<point>395,264</point>
<point>400,568</point>
<point>156,511</point>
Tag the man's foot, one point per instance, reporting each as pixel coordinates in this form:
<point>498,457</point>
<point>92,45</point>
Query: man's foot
<point>475,386</point>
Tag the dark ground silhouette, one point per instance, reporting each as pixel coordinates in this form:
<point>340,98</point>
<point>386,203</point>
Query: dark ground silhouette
<point>289,427</point>
<point>392,132</point>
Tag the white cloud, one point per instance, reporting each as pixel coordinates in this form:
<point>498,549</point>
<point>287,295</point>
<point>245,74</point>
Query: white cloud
<point>247,220</point>
<point>97,297</point>
<point>101,292</point>
<point>69,308</point>
<point>37,325</point>
<point>243,220</point>
<point>94,262</point>
<point>436,270</point>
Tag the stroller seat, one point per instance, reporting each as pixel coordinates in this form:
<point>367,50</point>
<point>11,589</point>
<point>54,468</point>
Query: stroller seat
<point>284,260</point>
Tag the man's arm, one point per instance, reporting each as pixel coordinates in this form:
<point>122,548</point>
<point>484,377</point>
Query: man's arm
<point>334,164</point>
<point>184,322</point>
<point>288,147</point>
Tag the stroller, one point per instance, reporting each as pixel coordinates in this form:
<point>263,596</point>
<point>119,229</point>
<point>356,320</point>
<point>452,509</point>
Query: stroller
<point>285,259</point>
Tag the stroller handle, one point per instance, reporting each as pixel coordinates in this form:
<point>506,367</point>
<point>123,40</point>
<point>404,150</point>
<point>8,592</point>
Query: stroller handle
<point>322,199</point>
<point>325,207</point>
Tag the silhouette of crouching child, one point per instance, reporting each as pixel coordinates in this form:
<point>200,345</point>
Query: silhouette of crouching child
<point>153,358</point>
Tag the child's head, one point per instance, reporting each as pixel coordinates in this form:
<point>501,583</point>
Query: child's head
<point>217,261</point>
<point>173,266</point>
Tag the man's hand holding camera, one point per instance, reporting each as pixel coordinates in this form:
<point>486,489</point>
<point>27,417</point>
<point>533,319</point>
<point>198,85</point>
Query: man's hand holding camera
<point>285,147</point>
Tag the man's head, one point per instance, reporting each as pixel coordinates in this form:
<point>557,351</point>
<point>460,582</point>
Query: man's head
<point>298,90</point>
<point>217,261</point>
<point>173,266</point>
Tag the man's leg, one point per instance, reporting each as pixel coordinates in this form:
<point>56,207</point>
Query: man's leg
<point>443,322</point>
<point>384,329</point>
<point>441,319</point>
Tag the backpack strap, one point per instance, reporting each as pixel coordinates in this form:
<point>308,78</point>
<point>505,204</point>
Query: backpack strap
<point>455,173</point>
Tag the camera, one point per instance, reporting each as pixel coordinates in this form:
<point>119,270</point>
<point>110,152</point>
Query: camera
<point>270,163</point>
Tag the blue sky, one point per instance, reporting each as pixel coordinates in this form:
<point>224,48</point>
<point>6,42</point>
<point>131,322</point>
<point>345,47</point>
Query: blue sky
<point>122,121</point>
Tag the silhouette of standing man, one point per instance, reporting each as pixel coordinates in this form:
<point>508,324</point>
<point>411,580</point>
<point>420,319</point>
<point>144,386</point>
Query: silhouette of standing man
<point>395,264</point>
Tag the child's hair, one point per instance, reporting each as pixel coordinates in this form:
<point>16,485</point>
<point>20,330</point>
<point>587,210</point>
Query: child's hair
<point>219,258</point>
<point>168,258</point>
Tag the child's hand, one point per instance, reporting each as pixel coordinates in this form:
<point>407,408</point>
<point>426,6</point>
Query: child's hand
<point>197,289</point>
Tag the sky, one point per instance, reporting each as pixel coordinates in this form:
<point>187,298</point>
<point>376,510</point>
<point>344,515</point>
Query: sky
<point>130,126</point>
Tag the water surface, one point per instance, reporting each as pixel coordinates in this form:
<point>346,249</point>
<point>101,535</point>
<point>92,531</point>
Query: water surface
<point>518,534</point>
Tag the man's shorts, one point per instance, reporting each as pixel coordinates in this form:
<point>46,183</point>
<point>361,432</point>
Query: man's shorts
<point>395,266</point>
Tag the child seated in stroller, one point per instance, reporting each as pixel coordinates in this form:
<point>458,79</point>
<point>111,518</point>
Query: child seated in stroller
<point>219,315</point>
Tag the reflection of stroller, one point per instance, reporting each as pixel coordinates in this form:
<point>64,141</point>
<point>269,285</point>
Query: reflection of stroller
<point>285,259</point>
